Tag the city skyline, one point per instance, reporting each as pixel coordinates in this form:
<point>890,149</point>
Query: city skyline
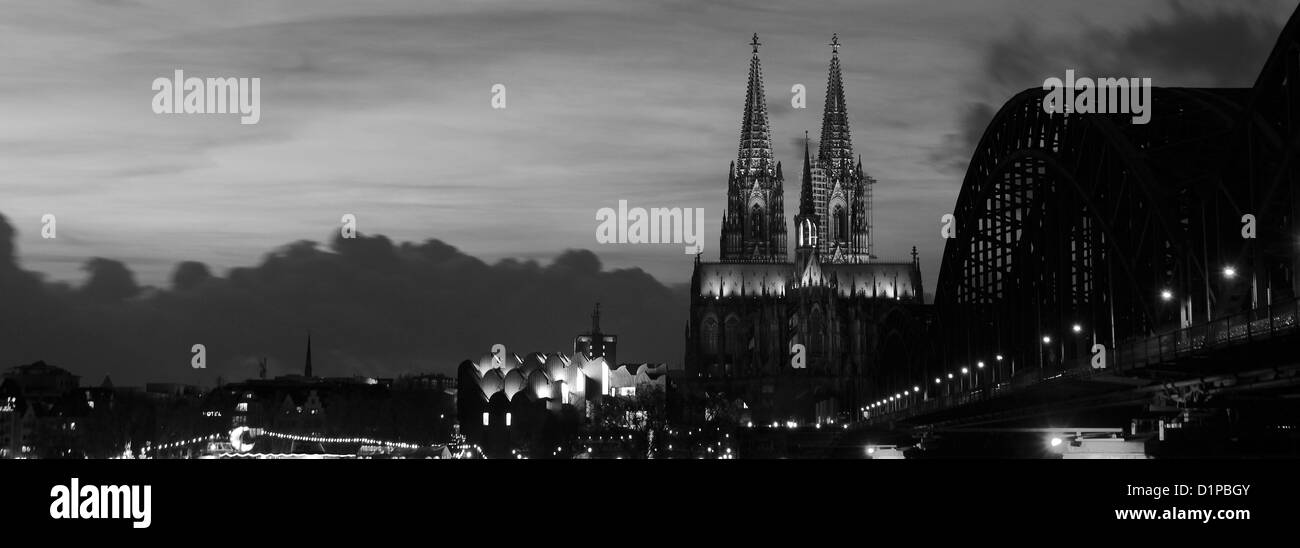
<point>381,236</point>
<point>137,208</point>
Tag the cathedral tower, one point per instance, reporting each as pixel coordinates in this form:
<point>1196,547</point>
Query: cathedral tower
<point>753,228</point>
<point>841,192</point>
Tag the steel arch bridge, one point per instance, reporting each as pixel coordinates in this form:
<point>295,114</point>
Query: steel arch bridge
<point>1075,230</point>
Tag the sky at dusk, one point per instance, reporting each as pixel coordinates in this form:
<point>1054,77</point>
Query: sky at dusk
<point>382,109</point>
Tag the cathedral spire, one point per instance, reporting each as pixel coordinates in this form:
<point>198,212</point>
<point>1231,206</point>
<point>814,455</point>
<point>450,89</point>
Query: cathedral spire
<point>806,204</point>
<point>754,227</point>
<point>755,135</point>
<point>836,148</point>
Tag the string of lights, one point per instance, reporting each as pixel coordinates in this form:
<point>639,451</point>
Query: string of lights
<point>900,400</point>
<point>297,437</point>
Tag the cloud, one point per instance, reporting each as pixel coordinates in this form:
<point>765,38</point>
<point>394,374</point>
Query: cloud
<point>1190,45</point>
<point>373,306</point>
<point>110,281</point>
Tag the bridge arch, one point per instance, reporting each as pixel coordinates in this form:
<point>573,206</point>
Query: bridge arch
<point>1082,229</point>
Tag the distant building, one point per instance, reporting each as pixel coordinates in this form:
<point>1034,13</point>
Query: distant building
<point>42,381</point>
<point>43,412</point>
<point>171,389</point>
<point>418,409</point>
<point>508,401</point>
<point>533,402</point>
<point>596,344</point>
<point>631,379</point>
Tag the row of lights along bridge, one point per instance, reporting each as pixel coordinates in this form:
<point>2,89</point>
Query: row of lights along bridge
<point>967,381</point>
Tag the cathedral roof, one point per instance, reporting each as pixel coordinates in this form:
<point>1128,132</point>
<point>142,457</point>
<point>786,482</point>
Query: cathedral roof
<point>885,280</point>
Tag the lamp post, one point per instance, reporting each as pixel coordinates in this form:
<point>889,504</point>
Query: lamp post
<point>1047,342</point>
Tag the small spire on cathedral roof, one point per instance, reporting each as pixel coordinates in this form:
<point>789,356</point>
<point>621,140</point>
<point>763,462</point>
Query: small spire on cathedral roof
<point>806,206</point>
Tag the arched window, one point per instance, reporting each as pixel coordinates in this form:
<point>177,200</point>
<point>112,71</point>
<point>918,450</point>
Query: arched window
<point>839,224</point>
<point>709,331</point>
<point>756,222</point>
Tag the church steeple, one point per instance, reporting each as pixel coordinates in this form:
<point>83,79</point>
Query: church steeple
<point>807,224</point>
<point>753,227</point>
<point>806,204</point>
<point>841,190</point>
<point>836,148</point>
<point>755,135</point>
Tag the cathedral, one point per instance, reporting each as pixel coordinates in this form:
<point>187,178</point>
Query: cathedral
<point>801,340</point>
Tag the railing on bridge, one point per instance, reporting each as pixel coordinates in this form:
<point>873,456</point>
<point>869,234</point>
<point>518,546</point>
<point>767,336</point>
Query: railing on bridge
<point>1233,330</point>
<point>1240,328</point>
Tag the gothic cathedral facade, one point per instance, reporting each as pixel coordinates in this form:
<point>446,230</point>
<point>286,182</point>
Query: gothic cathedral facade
<point>800,340</point>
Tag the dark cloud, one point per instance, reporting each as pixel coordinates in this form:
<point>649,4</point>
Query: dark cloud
<point>1219,48</point>
<point>954,153</point>
<point>110,281</point>
<point>1191,46</point>
<point>190,275</point>
<point>373,306</point>
<point>7,259</point>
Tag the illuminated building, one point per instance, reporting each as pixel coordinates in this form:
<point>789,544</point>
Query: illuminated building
<point>506,402</point>
<point>509,401</point>
<point>839,308</point>
<point>629,379</point>
<point>597,344</point>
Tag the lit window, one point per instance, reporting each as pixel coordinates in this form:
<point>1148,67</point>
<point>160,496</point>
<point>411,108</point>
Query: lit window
<point>242,407</point>
<point>507,419</point>
<point>485,418</point>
